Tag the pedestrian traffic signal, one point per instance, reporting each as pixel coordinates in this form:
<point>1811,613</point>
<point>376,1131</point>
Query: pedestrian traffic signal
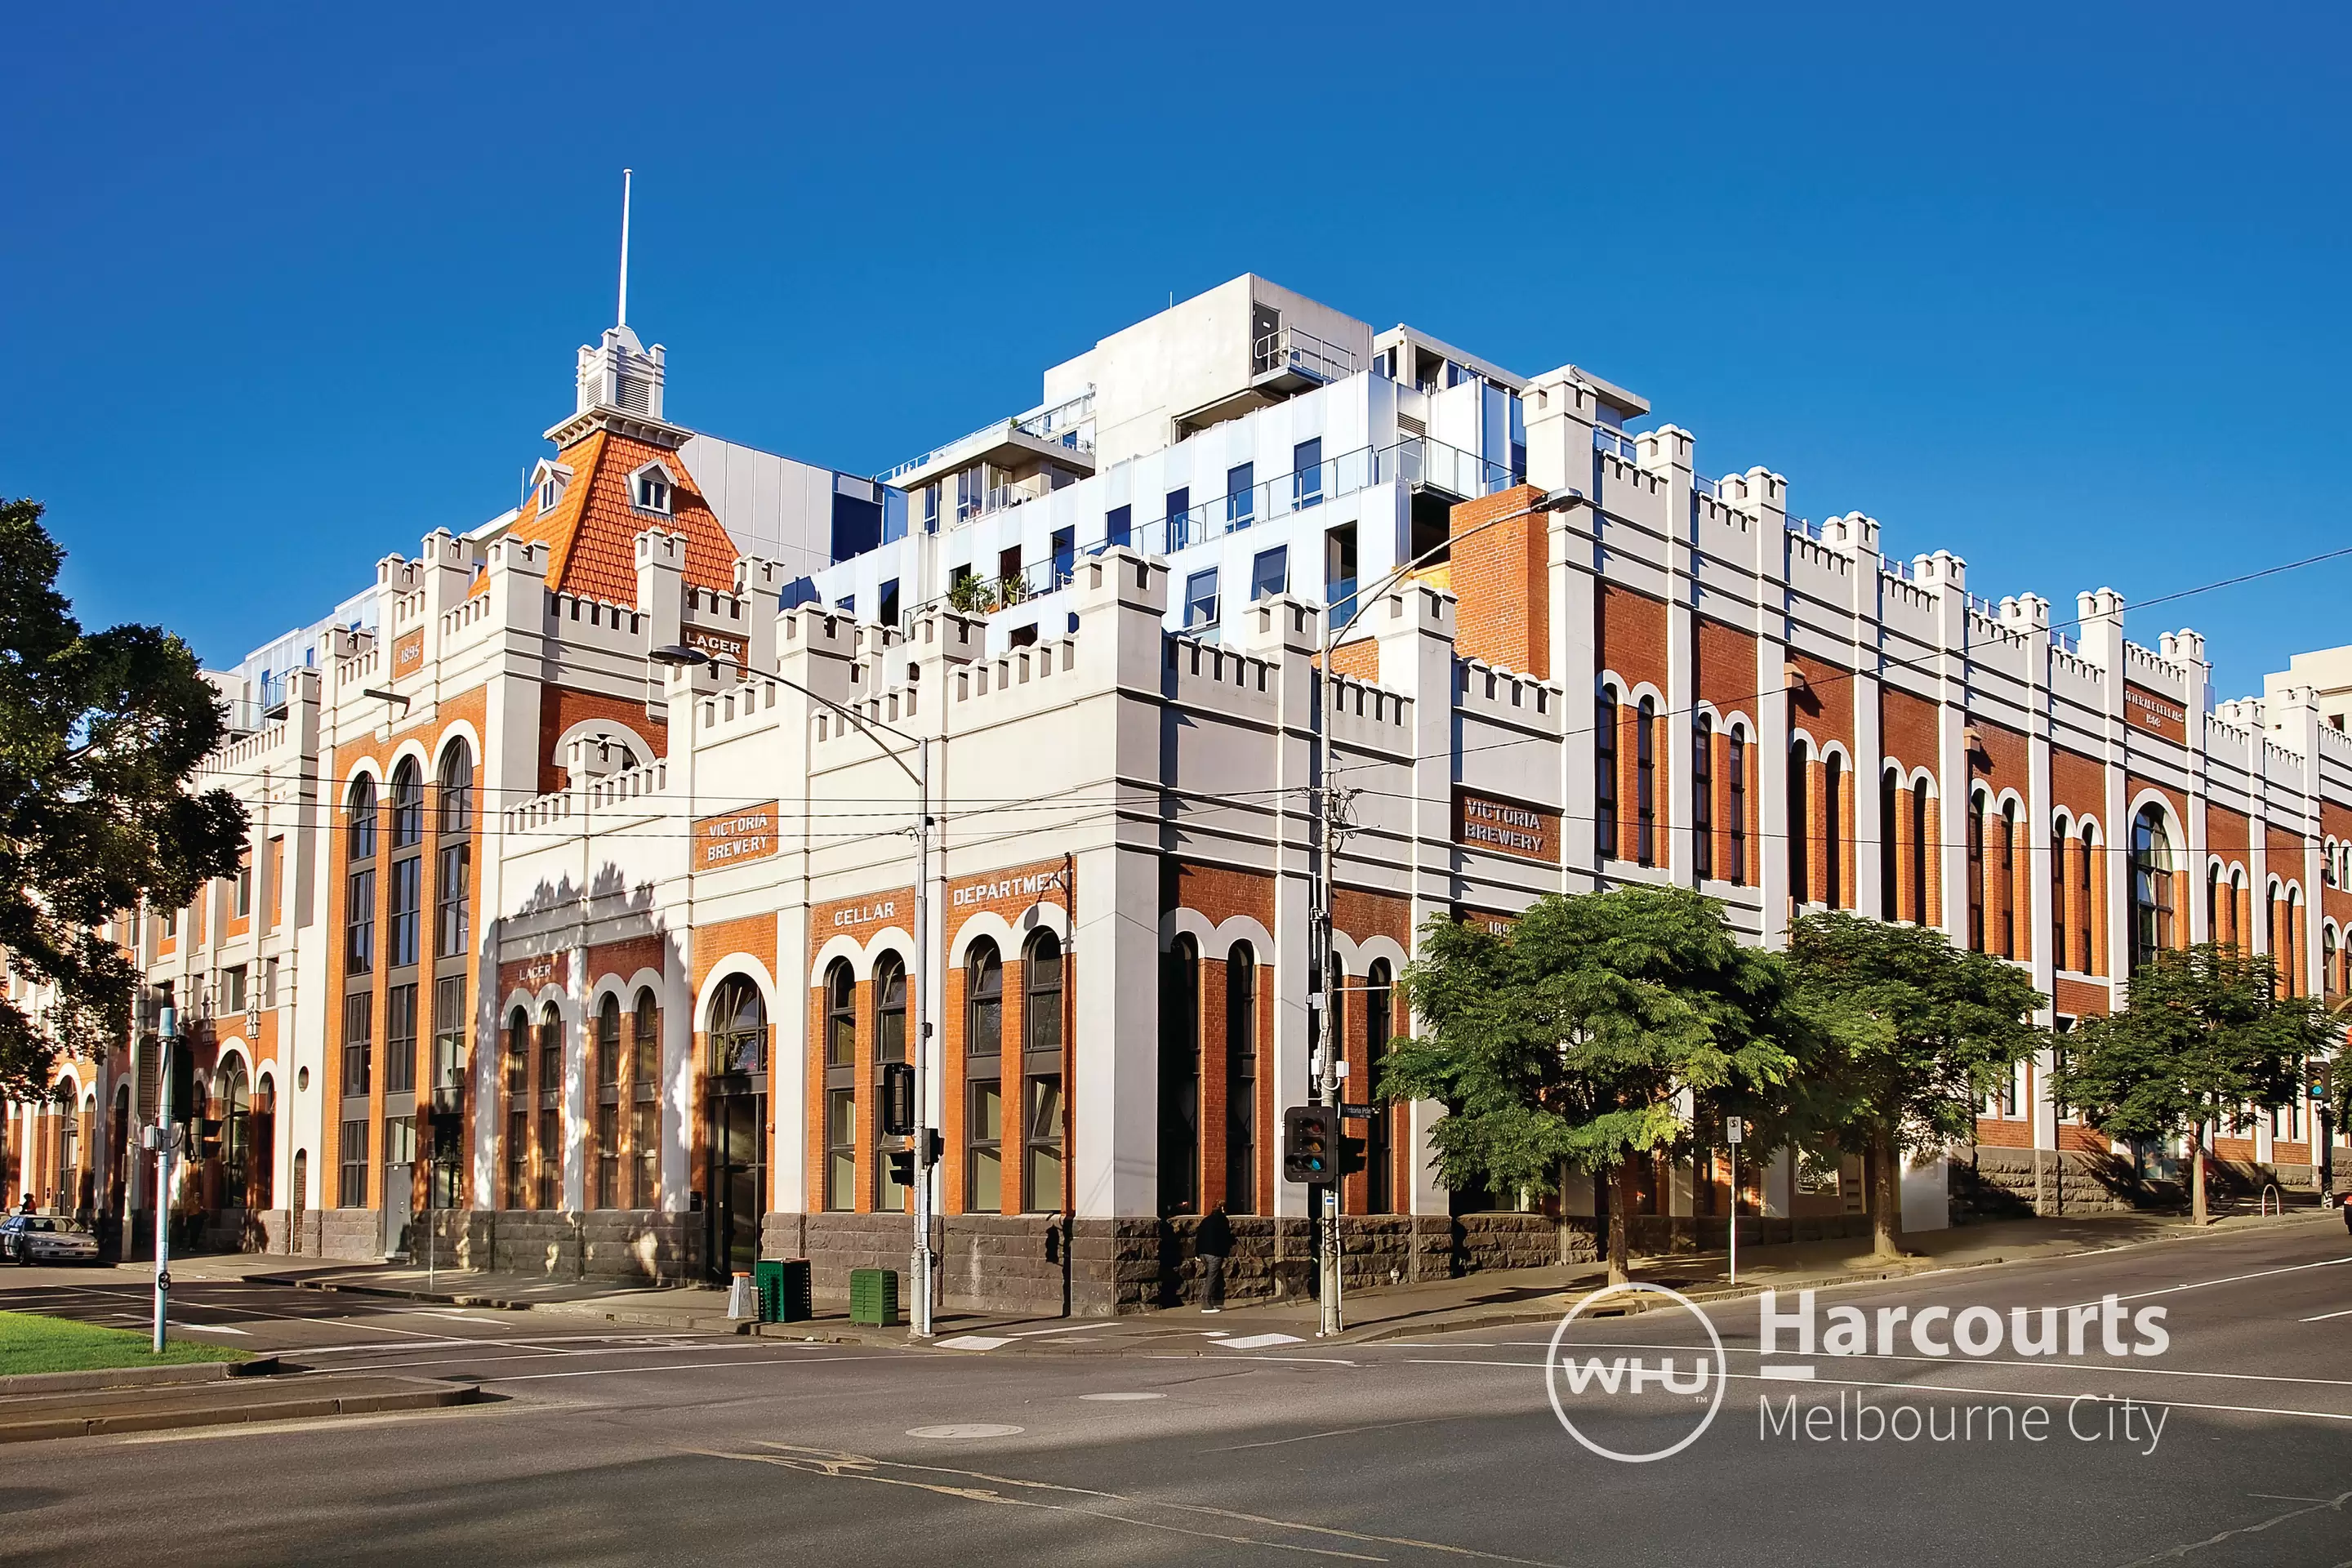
<point>1310,1145</point>
<point>1351,1156</point>
<point>898,1099</point>
<point>902,1167</point>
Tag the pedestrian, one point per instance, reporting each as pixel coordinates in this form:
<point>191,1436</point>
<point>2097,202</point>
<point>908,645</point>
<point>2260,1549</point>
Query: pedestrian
<point>26,1206</point>
<point>1213,1243</point>
<point>2347,1211</point>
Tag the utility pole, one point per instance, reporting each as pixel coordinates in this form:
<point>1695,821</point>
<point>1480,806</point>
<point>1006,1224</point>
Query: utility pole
<point>920,1040</point>
<point>167,1030</point>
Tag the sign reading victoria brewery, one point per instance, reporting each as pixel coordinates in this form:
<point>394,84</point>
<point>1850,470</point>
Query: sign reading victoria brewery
<point>734,837</point>
<point>1525,831</point>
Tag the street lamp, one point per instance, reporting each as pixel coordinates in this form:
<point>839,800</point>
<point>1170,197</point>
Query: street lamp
<point>679,657</point>
<point>167,1035</point>
<point>1326,1002</point>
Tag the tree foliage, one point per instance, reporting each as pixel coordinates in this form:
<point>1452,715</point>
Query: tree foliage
<point>1907,1034</point>
<point>1585,1035</point>
<point>99,734</point>
<point>2204,1034</point>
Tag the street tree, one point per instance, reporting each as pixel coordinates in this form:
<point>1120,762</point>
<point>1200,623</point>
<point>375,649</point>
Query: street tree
<point>2204,1034</point>
<point>99,732</point>
<point>1907,1034</point>
<point>1584,1038</point>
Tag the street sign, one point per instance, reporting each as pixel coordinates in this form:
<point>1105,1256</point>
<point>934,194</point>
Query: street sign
<point>1734,1129</point>
<point>1357,1112</point>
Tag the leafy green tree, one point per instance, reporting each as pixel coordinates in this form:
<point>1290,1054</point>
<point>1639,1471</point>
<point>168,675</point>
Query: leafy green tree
<point>2203,1034</point>
<point>1908,1034</point>
<point>99,734</point>
<point>1584,1038</point>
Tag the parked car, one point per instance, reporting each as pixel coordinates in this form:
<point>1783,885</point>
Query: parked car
<point>30,1239</point>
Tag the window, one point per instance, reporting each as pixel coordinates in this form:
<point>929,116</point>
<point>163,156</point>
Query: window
<point>550,490</point>
<point>1178,1077</point>
<point>1042,1146</point>
<point>608,1155</point>
<point>407,804</point>
<point>1604,776</point>
<point>1063,546</point>
<point>1241,494</point>
<point>170,924</point>
<point>351,1185</point>
<point>2008,932</point>
<point>359,820</point>
<point>400,1040</point>
<point>889,1009</point>
<point>646,1142</point>
<point>652,489</point>
<point>517,1067</point>
<point>931,507</point>
<point>1645,782</point>
<point>1890,859</point>
<point>517,1153</point>
<point>1201,600</point>
<point>457,779</point>
<point>359,929</point>
<point>2151,885</point>
<point>1703,796</point>
<point>2082,897</point>
<point>1041,1001</point>
<point>453,919</point>
<point>886,602</point>
<point>1922,824</point>
<point>449,1034</point>
<point>840,1016</point>
<point>1379,1025</point>
<point>1800,826</point>
<point>1307,473</point>
<point>2328,958</point>
<point>551,1054</point>
<point>1736,764</point>
<point>1977,873</point>
<point>1270,574</point>
<point>645,1037</point>
<point>984,976</point>
<point>233,989</point>
<point>244,905</point>
<point>1179,507</point>
<point>608,1043</point>
<point>738,1027</point>
<point>2058,956</point>
<point>1833,830</point>
<point>407,893</point>
<point>358,1043</point>
<point>1241,1079</point>
<point>984,1148</point>
<point>550,1195</point>
<point>840,1149</point>
<point>1118,527</point>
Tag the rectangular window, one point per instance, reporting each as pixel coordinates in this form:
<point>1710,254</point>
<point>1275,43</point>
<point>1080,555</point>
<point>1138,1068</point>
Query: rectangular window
<point>886,603</point>
<point>984,1171</point>
<point>1118,526</point>
<point>359,1020</point>
<point>351,1191</point>
<point>1307,473</point>
<point>233,989</point>
<point>1201,600</point>
<point>645,1041</point>
<point>400,1039</point>
<point>1064,547</point>
<point>1042,1141</point>
<point>399,1144</point>
<point>1270,574</point>
<point>1241,494</point>
<point>1736,764</point>
<point>551,1158</point>
<point>408,899</point>
<point>518,1153</point>
<point>1604,776</point>
<point>608,1156</point>
<point>170,924</point>
<point>840,1149</point>
<point>1703,798</point>
<point>449,1036</point>
<point>1645,784</point>
<point>646,1137</point>
<point>244,886</point>
<point>1800,828</point>
<point>551,1055</point>
<point>453,933</point>
<point>1180,517</point>
<point>359,918</point>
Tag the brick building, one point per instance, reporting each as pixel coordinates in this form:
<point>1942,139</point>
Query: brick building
<point>634,940</point>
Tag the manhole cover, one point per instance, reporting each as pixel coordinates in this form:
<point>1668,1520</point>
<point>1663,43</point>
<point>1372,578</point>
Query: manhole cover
<point>953,1431</point>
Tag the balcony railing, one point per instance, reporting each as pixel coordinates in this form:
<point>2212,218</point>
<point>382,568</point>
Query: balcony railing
<point>1061,423</point>
<point>1307,355</point>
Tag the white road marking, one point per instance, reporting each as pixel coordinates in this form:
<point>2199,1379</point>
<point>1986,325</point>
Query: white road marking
<point>2230,1280</point>
<point>2324,1316</point>
<point>958,1431</point>
<point>1115,1398</point>
<point>1785,1373</point>
<point>1065,1328</point>
<point>1259,1341</point>
<point>689,1366</point>
<point>972,1342</point>
<point>212,1329</point>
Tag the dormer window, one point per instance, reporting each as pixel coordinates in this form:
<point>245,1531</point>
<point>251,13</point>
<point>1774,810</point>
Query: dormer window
<point>650,489</point>
<point>548,486</point>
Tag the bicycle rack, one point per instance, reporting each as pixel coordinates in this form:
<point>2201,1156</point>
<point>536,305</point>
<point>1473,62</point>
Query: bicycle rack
<point>2262,1204</point>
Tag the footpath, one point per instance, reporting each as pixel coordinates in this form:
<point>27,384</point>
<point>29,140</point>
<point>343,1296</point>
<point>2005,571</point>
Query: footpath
<point>1379,1313</point>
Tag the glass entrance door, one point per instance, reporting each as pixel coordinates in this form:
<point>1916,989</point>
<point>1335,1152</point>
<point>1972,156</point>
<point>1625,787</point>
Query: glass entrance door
<point>738,1179</point>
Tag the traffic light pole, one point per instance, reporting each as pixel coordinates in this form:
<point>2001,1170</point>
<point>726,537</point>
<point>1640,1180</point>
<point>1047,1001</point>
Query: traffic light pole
<point>167,1028</point>
<point>920,1034</point>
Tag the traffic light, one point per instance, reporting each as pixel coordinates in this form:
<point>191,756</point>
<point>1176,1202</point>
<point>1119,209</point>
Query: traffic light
<point>1351,1156</point>
<point>1310,1139</point>
<point>898,1099</point>
<point>902,1167</point>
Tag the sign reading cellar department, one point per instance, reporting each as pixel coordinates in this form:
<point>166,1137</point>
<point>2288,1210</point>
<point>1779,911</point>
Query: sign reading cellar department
<point>734,837</point>
<point>1520,830</point>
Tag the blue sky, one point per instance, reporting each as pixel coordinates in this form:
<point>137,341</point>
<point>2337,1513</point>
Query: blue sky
<point>2059,289</point>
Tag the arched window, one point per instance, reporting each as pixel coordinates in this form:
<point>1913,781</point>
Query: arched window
<point>645,1037</point>
<point>2151,884</point>
<point>1241,1079</point>
<point>840,1084</point>
<point>1702,797</point>
<point>983,1035</point>
<point>2058,895</point>
<point>1833,830</point>
<point>2086,873</point>
<point>1604,776</point>
<point>608,1042</point>
<point>1890,862</point>
<point>2010,947</point>
<point>1735,763</point>
<point>550,1149</point>
<point>1923,818</point>
<point>359,819</point>
<point>1976,804</point>
<point>235,1135</point>
<point>407,804</point>
<point>606,1113</point>
<point>840,1018</point>
<point>2291,963</point>
<point>738,1027</point>
<point>644,1088</point>
<point>518,1055</point>
<point>1799,838</point>
<point>2327,981</point>
<point>1645,782</point>
<point>2216,927</point>
<point>889,1008</point>
<point>456,781</point>
<point>1042,1112</point>
<point>1180,1078</point>
<point>1379,1025</point>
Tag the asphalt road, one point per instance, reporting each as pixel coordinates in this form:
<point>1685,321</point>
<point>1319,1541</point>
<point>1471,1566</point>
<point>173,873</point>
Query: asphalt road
<point>604,1445</point>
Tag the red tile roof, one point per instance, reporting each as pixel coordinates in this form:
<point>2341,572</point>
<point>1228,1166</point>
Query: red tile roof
<point>590,534</point>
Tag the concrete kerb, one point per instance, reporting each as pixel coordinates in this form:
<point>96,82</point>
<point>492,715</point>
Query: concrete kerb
<point>123,1410</point>
<point>135,1376</point>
